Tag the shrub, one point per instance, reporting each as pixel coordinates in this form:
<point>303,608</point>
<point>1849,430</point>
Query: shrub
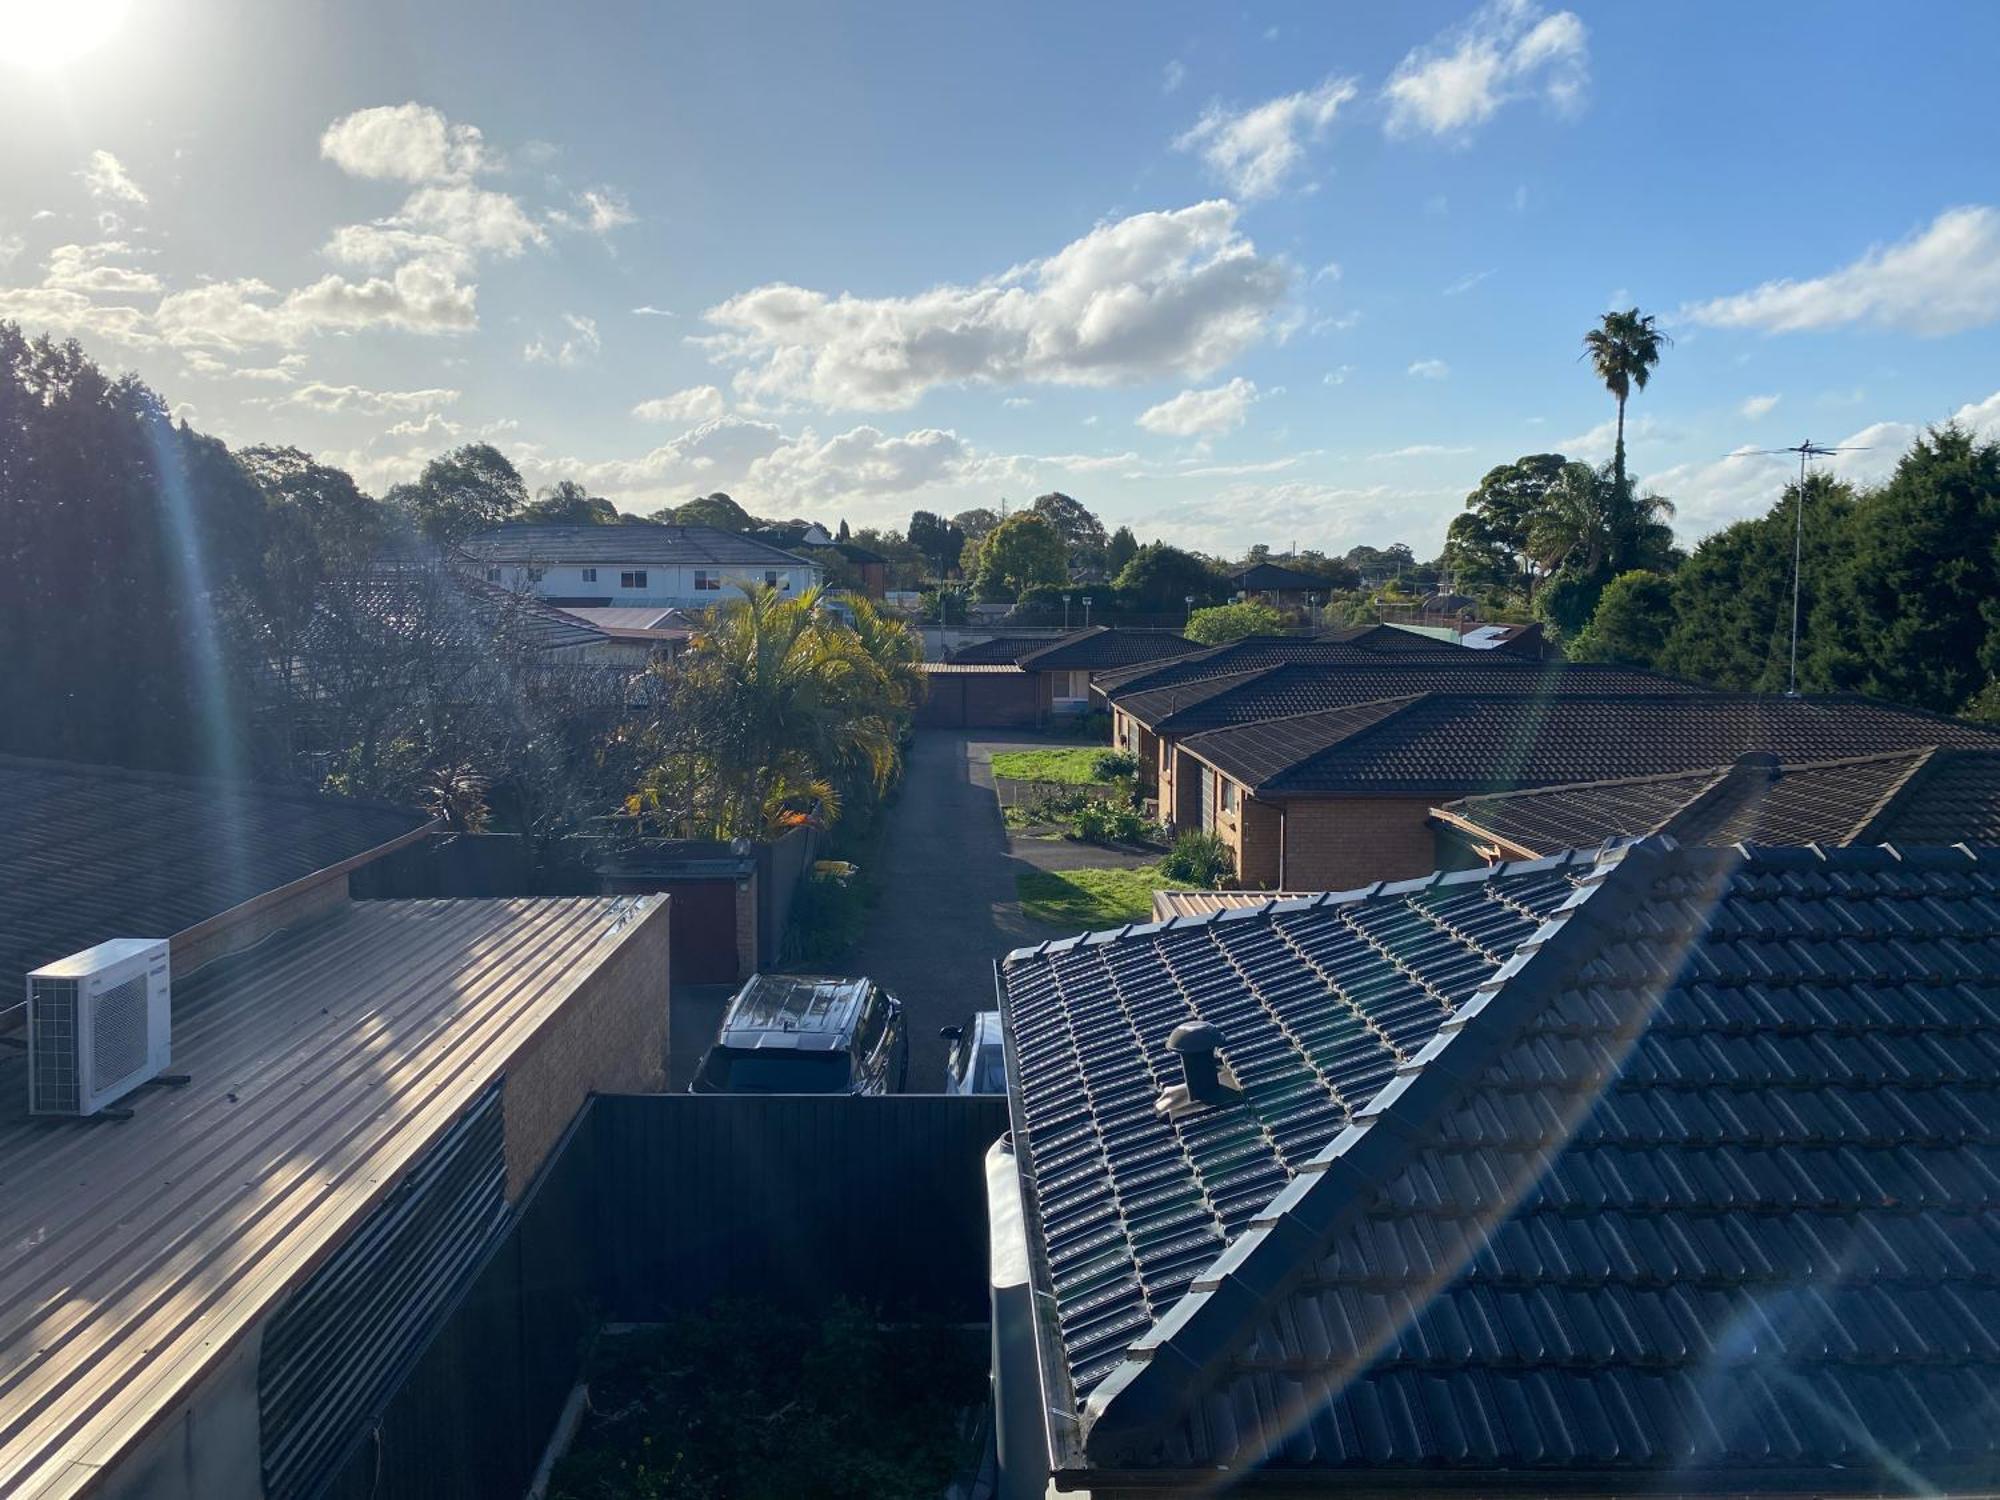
<point>1224,623</point>
<point>1199,860</point>
<point>1100,822</point>
<point>1095,725</point>
<point>828,917</point>
<point>1112,765</point>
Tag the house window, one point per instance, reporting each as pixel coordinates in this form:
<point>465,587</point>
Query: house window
<point>1072,687</point>
<point>706,582</point>
<point>770,578</point>
<point>492,575</point>
<point>590,575</point>
<point>636,579</point>
<point>1228,789</point>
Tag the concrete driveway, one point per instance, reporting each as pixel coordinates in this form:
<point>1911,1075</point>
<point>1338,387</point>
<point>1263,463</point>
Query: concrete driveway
<point>946,909</point>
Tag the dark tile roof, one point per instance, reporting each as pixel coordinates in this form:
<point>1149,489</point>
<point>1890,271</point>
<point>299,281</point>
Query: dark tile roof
<point>1922,796</point>
<point>1267,577</point>
<point>1308,687</point>
<point>1459,744</point>
<point>1103,646</point>
<point>1687,1179</point>
<point>1318,1014</point>
<point>1001,650</point>
<point>1252,653</point>
<point>1261,751</point>
<point>94,852</point>
<point>458,609</point>
<point>665,546</point>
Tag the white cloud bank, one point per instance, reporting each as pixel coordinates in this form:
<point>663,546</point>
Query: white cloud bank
<point>1147,297</point>
<point>1208,413</point>
<point>403,143</point>
<point>1942,279</point>
<point>1256,150</point>
<point>1507,50</point>
<point>699,403</point>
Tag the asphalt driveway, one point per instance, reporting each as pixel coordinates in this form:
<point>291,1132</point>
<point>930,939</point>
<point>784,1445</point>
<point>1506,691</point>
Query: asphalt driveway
<point>947,909</point>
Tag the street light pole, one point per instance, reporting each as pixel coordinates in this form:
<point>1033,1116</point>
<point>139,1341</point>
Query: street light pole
<point>1065,611</point>
<point>1086,611</point>
<point>1189,601</point>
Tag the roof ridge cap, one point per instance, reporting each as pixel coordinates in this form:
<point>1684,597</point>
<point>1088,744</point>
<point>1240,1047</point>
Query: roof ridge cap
<point>1180,1357</point>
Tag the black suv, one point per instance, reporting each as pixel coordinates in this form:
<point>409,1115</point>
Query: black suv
<point>798,1034</point>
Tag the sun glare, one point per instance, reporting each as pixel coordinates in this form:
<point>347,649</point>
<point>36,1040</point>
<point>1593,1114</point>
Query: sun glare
<point>49,33</point>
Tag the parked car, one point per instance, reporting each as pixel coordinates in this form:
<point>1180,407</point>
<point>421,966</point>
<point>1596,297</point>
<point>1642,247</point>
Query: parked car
<point>977,1061</point>
<point>808,1034</point>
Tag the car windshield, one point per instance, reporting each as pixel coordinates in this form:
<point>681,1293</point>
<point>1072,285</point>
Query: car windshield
<point>990,1071</point>
<point>778,1072</point>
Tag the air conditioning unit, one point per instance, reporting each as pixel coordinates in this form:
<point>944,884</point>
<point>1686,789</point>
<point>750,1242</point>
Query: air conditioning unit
<point>99,1025</point>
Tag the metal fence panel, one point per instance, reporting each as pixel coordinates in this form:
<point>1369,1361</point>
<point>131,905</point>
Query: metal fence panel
<point>795,1200</point>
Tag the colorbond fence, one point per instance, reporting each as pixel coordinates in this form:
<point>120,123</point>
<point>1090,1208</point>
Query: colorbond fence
<point>663,1202</point>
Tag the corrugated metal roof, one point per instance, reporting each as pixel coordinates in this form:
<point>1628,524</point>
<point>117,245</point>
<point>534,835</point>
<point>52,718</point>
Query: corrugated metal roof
<point>1695,1187</point>
<point>1206,903</point>
<point>663,546</point>
<point>323,1063</point>
<point>97,852</point>
<point>972,669</point>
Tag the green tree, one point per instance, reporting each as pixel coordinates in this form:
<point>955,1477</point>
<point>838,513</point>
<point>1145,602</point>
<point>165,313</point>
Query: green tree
<point>1494,533</point>
<point>1081,532</point>
<point>1023,552</point>
<point>1118,551</point>
<point>468,490</point>
<point>1222,623</point>
<point>716,510</point>
<point>1733,595</point>
<point>1910,607</point>
<point>1623,349</point>
<point>1160,579</point>
<point>567,503</point>
<point>937,541</point>
<point>976,523</point>
<point>1634,616</point>
<point>772,712</point>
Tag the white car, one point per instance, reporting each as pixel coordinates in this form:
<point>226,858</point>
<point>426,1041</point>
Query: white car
<point>977,1062</point>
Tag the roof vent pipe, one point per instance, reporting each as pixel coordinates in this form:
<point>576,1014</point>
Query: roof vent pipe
<point>1206,1079</point>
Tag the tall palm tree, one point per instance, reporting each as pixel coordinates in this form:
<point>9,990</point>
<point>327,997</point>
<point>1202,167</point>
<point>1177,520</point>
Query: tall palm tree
<point>1623,349</point>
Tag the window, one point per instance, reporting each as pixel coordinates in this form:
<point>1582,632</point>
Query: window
<point>590,575</point>
<point>636,579</point>
<point>706,582</point>
<point>771,578</point>
<point>1072,687</point>
<point>534,575</point>
<point>1228,792</point>
<point>492,575</point>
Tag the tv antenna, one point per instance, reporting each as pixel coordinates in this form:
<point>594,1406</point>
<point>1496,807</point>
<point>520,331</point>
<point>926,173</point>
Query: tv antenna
<point>1807,451</point>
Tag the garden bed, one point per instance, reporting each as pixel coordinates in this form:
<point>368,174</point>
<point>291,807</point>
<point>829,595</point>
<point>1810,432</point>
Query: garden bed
<point>743,1402</point>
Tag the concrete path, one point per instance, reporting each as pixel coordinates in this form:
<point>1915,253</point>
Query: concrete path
<point>947,909</point>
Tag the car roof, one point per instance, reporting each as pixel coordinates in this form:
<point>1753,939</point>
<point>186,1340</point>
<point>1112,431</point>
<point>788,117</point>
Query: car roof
<point>985,1029</point>
<point>797,1010</point>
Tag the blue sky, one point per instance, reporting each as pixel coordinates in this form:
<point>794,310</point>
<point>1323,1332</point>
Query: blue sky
<point>1261,274</point>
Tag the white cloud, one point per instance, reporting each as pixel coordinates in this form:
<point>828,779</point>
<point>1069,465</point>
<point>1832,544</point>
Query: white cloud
<point>1758,406</point>
<point>472,217</point>
<point>1172,76</point>
<point>403,143</point>
<point>1256,149</point>
<point>1146,297</point>
<point>1421,450</point>
<point>200,362</point>
<point>58,311</point>
<point>1506,50</point>
<point>376,247</point>
<point>1596,444</point>
<point>582,343</point>
<point>1208,413</point>
<point>105,178</point>
<point>421,296</point>
<point>1337,376</point>
<point>1465,284</point>
<point>1018,401</point>
<point>1330,517</point>
<point>1429,369</point>
<point>92,268</point>
<point>435,426</point>
<point>1328,272</point>
<point>1943,279</point>
<point>700,403</point>
<point>649,311</point>
<point>11,245</point>
<point>598,210</point>
<point>319,397</point>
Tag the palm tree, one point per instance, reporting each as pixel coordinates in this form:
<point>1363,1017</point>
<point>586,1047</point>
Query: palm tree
<point>1623,350</point>
<point>775,710</point>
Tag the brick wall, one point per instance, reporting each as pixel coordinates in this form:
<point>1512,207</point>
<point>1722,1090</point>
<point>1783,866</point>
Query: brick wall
<point>1339,843</point>
<point>610,1037</point>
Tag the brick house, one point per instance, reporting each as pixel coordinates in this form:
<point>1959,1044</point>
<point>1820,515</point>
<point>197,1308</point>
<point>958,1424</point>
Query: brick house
<point>1067,667</point>
<point>1335,799</point>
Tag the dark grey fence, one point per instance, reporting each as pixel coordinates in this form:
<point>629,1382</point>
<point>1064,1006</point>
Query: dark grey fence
<point>661,1202</point>
<point>796,1200</point>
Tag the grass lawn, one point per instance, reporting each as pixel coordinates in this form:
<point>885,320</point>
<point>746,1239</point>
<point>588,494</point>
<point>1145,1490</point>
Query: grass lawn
<point>1072,766</point>
<point>1090,898</point>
